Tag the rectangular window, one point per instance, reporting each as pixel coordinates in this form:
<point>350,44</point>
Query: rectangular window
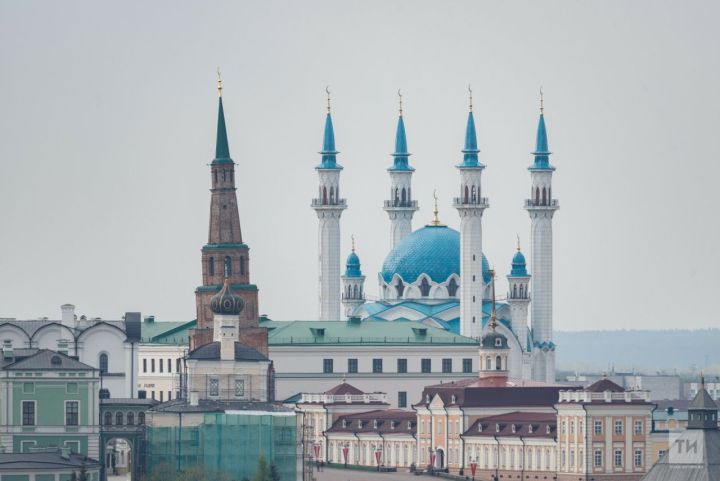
<point>598,425</point>
<point>152,365</point>
<point>618,427</point>
<point>425,365</point>
<point>25,446</point>
<point>638,458</point>
<point>447,365</point>
<point>73,445</point>
<point>214,386</point>
<point>162,395</point>
<point>169,365</point>
<point>598,458</point>
<point>239,387</point>
<point>71,388</point>
<point>402,399</point>
<point>152,394</point>
<point>72,413</point>
<point>28,387</point>
<point>178,364</point>
<point>618,458</point>
<point>144,365</point>
<point>661,453</point>
<point>28,413</point>
<point>352,366</point>
<point>638,427</point>
<point>169,395</point>
<point>467,365</point>
<point>377,366</point>
<point>402,366</point>
<point>160,365</point>
<point>327,366</point>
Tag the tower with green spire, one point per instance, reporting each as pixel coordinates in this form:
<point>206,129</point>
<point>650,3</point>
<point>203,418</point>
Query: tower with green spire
<point>541,207</point>
<point>470,204</point>
<point>400,206</point>
<point>329,207</point>
<point>225,255</point>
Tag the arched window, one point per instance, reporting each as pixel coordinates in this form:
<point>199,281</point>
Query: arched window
<point>130,419</point>
<point>452,288</point>
<point>141,418</point>
<point>356,293</point>
<point>515,292</point>
<point>549,194</point>
<point>522,291</point>
<point>103,363</point>
<point>424,287</point>
<point>119,419</point>
<point>227,266</point>
<point>498,363</point>
<point>332,196</point>
<point>473,195</point>
<point>537,195</point>
<point>466,195</point>
<point>488,363</point>
<point>224,175</point>
<point>324,195</point>
<point>211,266</point>
<point>400,288</point>
<point>544,196</point>
<point>215,175</point>
<point>396,197</point>
<point>242,265</point>
<point>108,418</point>
<point>402,196</point>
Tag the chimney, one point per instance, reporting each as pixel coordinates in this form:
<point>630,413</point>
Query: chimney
<point>68,315</point>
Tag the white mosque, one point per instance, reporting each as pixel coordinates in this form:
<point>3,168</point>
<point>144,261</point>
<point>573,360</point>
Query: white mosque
<point>436,275</point>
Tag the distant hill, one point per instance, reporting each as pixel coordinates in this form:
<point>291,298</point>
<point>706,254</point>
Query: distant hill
<point>647,351</point>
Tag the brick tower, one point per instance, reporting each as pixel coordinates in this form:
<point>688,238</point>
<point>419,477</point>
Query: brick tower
<point>225,254</point>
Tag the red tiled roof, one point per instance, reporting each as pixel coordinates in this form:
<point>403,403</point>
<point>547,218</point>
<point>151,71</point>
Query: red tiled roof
<point>527,424</point>
<point>604,385</point>
<point>344,388</point>
<point>365,422</point>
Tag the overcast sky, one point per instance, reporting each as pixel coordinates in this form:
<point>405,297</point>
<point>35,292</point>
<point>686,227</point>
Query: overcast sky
<point>107,124</point>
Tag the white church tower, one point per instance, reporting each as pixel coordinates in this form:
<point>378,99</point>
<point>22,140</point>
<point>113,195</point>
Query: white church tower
<point>329,207</point>
<point>353,293</point>
<point>518,298</point>
<point>400,207</point>
<point>541,206</point>
<point>470,205</point>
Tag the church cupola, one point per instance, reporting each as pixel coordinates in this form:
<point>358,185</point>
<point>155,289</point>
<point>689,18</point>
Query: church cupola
<point>329,207</point>
<point>400,206</point>
<point>518,298</point>
<point>353,294</point>
<point>494,349</point>
<point>226,302</point>
<point>702,411</point>
<point>470,205</point>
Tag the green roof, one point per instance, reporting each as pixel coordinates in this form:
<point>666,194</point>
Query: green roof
<point>368,332</point>
<point>166,332</point>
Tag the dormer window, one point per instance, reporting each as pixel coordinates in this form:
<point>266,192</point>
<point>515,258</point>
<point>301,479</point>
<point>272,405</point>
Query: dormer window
<point>452,399</point>
<point>530,428</point>
<point>344,423</point>
<point>547,429</point>
<point>497,428</point>
<point>359,423</point>
<point>409,425</point>
<point>498,342</point>
<point>375,424</point>
<point>392,424</point>
<point>513,428</point>
<point>479,427</point>
<point>427,399</point>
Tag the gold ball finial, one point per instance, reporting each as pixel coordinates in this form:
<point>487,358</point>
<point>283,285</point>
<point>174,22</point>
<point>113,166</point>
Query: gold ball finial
<point>219,82</point>
<point>327,91</point>
<point>470,95</point>
<point>400,100</point>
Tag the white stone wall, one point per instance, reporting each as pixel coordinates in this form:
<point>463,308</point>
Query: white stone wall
<point>471,278</point>
<point>329,243</point>
<point>153,383</point>
<point>400,217</point>
<point>351,302</point>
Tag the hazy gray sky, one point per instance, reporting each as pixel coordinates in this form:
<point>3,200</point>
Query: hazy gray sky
<point>107,124</point>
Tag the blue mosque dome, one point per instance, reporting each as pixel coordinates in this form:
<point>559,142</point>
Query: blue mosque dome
<point>433,250</point>
<point>352,266</point>
<point>518,265</point>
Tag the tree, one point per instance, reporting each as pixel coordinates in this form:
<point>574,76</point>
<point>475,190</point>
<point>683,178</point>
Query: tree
<point>83,473</point>
<point>274,474</point>
<point>263,471</point>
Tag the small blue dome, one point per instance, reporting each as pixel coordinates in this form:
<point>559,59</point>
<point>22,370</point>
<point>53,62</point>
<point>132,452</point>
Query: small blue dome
<point>518,265</point>
<point>433,250</point>
<point>352,266</point>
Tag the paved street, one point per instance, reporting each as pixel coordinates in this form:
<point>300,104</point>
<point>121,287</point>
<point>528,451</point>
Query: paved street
<point>350,475</point>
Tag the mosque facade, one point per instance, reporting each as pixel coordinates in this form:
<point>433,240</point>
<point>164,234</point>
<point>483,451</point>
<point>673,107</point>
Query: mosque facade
<point>439,276</point>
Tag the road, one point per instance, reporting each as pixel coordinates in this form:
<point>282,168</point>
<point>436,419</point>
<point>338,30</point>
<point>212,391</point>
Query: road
<point>329,474</point>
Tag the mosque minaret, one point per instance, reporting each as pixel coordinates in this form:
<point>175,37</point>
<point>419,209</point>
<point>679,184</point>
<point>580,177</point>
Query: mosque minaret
<point>470,205</point>
<point>329,207</point>
<point>541,206</point>
<point>400,206</point>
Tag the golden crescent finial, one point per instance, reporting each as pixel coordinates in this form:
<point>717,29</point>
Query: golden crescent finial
<point>436,219</point>
<point>219,82</point>
<point>327,91</point>
<point>400,97</point>
<point>518,239</point>
<point>542,106</point>
<point>352,238</point>
<point>470,93</point>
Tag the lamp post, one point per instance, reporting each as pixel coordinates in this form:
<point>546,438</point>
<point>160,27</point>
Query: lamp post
<point>378,456</point>
<point>345,452</point>
<point>473,468</point>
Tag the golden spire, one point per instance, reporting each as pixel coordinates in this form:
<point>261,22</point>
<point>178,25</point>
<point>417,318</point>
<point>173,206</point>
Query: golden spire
<point>470,95</point>
<point>352,238</point>
<point>493,314</point>
<point>436,219</point>
<point>518,239</point>
<point>219,83</point>
<point>327,91</point>
<point>542,107</point>
<point>400,98</point>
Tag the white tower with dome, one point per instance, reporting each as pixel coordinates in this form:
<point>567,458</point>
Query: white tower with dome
<point>353,292</point>
<point>541,206</point>
<point>470,205</point>
<point>329,207</point>
<point>400,206</point>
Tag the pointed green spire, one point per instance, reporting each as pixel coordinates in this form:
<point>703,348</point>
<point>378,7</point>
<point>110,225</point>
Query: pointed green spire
<point>329,154</point>
<point>470,152</point>
<point>222,150</point>
<point>401,154</point>
<point>541,153</point>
